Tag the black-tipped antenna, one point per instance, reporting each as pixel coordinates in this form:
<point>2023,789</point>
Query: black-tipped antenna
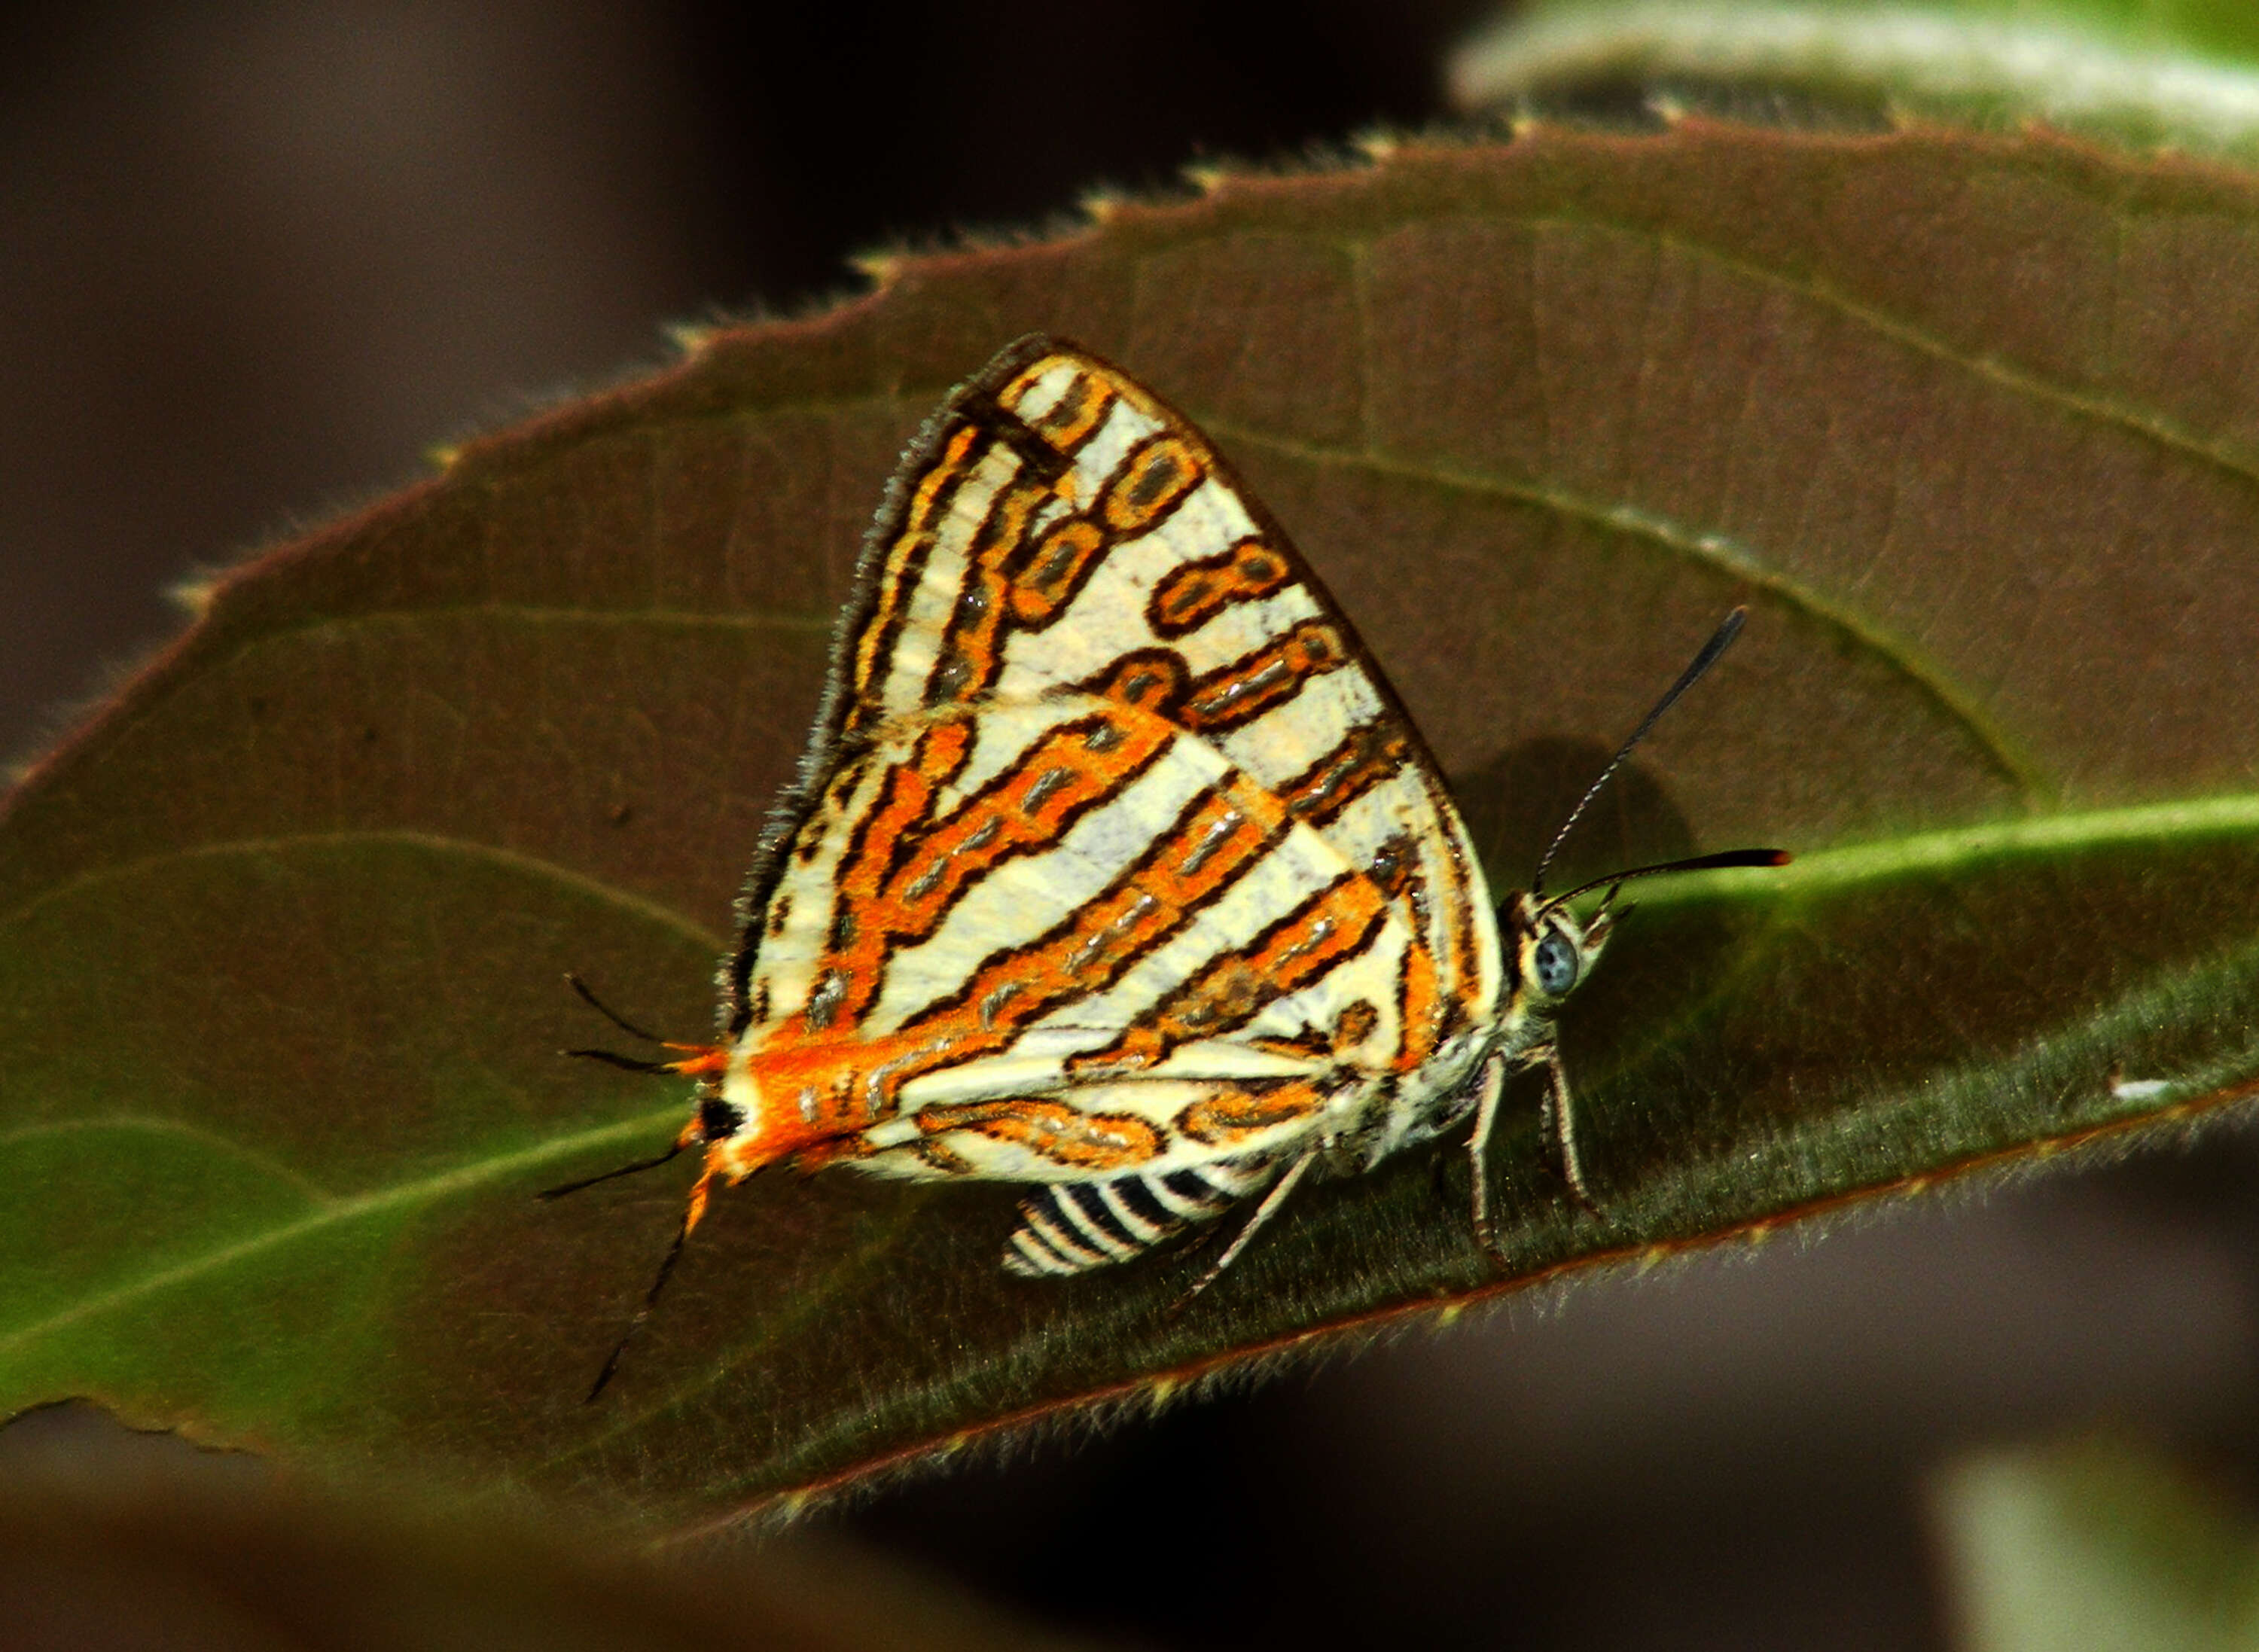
<point>650,1302</point>
<point>624,1169</point>
<point>1719,641</point>
<point>1699,863</point>
<point>608,1011</point>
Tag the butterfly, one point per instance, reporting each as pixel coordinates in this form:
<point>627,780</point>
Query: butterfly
<point>1115,866</point>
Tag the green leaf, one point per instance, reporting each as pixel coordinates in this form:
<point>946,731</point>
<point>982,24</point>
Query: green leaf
<point>1969,420</point>
<point>2094,1546</point>
<point>2147,71</point>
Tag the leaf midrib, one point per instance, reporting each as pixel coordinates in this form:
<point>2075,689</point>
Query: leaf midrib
<point>354,1207</point>
<point>1825,871</point>
<point>1957,849</point>
<point>2186,1098</point>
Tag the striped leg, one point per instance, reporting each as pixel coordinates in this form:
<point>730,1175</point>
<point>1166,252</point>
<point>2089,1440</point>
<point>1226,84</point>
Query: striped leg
<point>1263,1212</point>
<point>1491,1085</point>
<point>1561,1122</point>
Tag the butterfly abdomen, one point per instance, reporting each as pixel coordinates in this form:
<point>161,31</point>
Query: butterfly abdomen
<point>1072,1226</point>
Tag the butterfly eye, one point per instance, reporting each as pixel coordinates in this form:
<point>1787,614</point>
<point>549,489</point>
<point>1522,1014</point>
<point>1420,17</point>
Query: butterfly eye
<point>1554,963</point>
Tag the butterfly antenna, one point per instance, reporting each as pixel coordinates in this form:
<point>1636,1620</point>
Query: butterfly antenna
<point>651,1297</point>
<point>1719,640</point>
<point>611,1014</point>
<point>1698,863</point>
<point>624,1169</point>
<point>704,1059</point>
<point>625,1064</point>
<point>650,1302</point>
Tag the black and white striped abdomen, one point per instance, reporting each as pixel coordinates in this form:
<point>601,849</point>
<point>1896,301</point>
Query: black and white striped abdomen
<point>1071,1227</point>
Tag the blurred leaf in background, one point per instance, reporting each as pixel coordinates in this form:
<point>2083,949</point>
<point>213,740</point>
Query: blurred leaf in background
<point>2094,1546</point>
<point>2147,71</point>
<point>110,1541</point>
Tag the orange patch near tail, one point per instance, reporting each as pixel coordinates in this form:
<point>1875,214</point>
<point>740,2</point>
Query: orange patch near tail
<point>810,1099</point>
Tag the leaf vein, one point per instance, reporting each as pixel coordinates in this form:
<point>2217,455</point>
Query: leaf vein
<point>338,1211</point>
<point>1720,552</point>
<point>532,865</point>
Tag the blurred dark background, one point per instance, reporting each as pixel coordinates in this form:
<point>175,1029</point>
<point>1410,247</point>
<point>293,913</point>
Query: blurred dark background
<point>255,260</point>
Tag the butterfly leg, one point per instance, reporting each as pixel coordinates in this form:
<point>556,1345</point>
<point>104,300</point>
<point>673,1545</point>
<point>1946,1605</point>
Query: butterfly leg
<point>1490,1086</point>
<point>1263,1212</point>
<point>1561,1122</point>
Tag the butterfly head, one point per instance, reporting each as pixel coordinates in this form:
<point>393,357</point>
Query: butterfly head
<point>1552,949</point>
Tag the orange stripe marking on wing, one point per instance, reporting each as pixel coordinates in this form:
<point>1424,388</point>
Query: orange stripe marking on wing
<point>1060,1132</point>
<point>1243,690</point>
<point>1232,988</point>
<point>907,555</point>
<point>1046,578</point>
<point>1418,1007</point>
<point>1191,595</point>
<point>971,652</point>
<point>1233,1116</point>
<point>1073,418</point>
<point>1160,473</point>
<point>1421,1006</point>
<point>822,1077</point>
<point>1368,754</point>
<point>903,875</point>
<point>1214,839</point>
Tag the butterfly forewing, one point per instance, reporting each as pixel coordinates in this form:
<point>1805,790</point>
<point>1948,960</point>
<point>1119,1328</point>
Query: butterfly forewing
<point>1119,857</point>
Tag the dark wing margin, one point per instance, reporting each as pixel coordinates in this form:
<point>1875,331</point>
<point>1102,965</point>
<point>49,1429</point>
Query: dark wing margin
<point>972,404</point>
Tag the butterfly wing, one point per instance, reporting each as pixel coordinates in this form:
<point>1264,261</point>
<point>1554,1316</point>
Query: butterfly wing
<point>1056,526</point>
<point>1117,854</point>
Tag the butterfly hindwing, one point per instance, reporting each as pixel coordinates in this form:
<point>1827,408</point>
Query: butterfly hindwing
<point>1086,858</point>
<point>1153,924</point>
